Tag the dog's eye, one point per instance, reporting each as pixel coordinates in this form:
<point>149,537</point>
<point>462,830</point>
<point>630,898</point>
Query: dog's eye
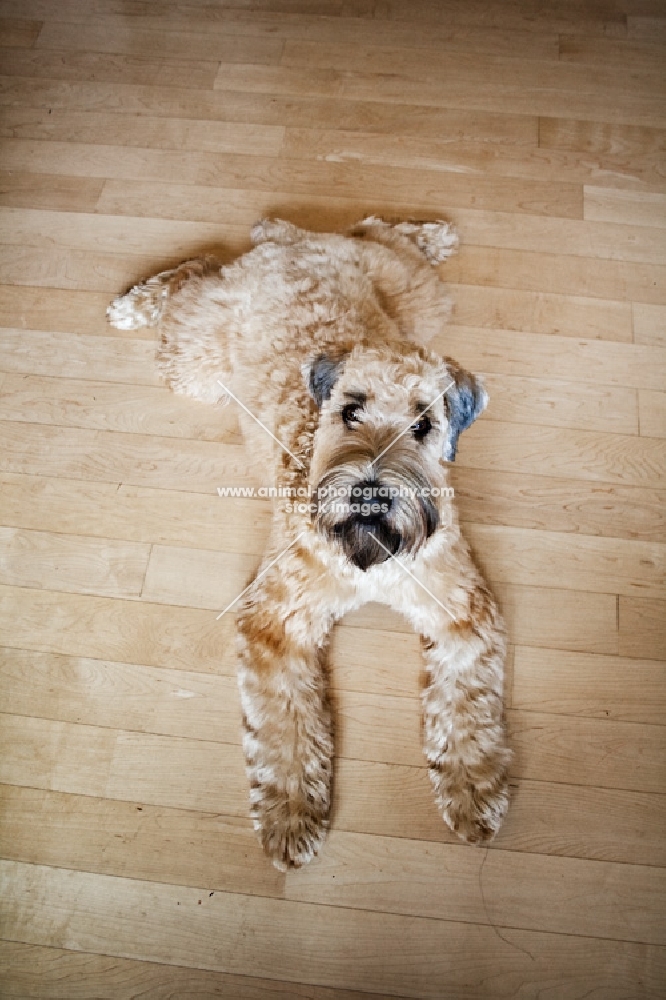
<point>350,414</point>
<point>422,427</point>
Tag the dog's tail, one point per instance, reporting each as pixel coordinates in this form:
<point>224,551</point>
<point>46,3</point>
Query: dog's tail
<point>144,304</point>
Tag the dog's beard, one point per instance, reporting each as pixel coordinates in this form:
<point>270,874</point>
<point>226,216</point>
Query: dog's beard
<point>368,540</point>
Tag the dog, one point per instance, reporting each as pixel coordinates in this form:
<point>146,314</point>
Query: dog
<point>322,339</point>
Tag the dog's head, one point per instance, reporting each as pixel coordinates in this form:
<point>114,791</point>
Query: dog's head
<point>387,421</point>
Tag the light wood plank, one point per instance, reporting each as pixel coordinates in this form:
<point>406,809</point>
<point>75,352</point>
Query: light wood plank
<point>118,764</point>
<point>556,403</point>
<point>140,69</point>
<point>613,901</point>
<point>19,32</point>
<point>601,138</point>
<point>188,638</point>
<point>85,127</point>
<point>561,17</point>
<point>544,502</point>
<point>162,702</point>
<point>83,231</point>
<point>540,312</point>
<point>113,695</point>
<point>647,29</point>
<point>449,882</point>
<point>268,100</point>
<point>518,75</point>
<point>572,562</point>
<point>371,797</point>
<point>560,619</point>
<point>579,454</point>
<point>425,16</point>
<point>116,510</point>
<point>652,406</point>
<point>345,948</point>
<point>590,685</point>
<point>649,325</point>
<point>59,309</point>
<point>558,274</point>
<point>104,456</point>
<point>599,240</point>
<point>203,579</point>
<point>72,563</point>
<point>624,101</point>
<point>478,158</point>
<point>118,359</point>
<point>507,352</point>
<point>296,177</point>
<point>77,269</point>
<point>106,36</point>
<point>137,841</point>
<point>104,628</point>
<point>642,628</point>
<point>604,240</point>
<point>241,207</point>
<point>626,208</point>
<point>375,728</point>
<point>57,193</point>
<point>113,406</point>
<point>587,751</point>
<point>610,824</point>
<point>604,51</point>
<point>305,25</point>
<point>56,974</point>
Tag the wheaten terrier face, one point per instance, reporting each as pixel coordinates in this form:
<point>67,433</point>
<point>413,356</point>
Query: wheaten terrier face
<point>387,423</point>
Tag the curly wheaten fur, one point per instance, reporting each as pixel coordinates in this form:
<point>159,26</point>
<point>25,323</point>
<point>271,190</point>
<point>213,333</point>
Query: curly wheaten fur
<point>324,339</point>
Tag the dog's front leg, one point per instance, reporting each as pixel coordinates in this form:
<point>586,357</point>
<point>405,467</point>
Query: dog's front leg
<point>282,632</point>
<point>463,728</point>
<point>463,640</point>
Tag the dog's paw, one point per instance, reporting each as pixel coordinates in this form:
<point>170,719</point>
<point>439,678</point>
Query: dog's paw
<point>291,835</point>
<point>274,231</point>
<point>140,307</point>
<point>436,240</point>
<point>474,812</point>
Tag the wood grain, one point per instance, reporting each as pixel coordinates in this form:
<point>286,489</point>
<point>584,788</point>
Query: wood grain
<point>590,685</point>
<point>135,134</point>
<point>641,627</point>
<point>426,956</point>
<point>56,974</point>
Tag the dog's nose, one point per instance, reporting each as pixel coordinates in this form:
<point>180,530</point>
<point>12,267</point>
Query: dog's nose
<point>374,499</point>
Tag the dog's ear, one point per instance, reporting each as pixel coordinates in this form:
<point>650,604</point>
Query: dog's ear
<point>465,400</point>
<point>321,375</point>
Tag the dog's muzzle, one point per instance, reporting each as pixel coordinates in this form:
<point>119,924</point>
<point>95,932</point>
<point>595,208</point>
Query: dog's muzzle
<point>372,523</point>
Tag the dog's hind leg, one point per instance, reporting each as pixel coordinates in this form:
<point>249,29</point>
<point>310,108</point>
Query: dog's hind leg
<point>144,304</point>
<point>398,261</point>
<point>436,241</point>
<point>277,231</point>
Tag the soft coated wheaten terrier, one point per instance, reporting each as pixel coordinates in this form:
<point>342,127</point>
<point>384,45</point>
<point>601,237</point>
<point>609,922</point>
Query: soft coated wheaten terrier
<point>322,338</point>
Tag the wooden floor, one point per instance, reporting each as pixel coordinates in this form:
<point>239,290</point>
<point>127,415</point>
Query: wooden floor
<point>138,132</point>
